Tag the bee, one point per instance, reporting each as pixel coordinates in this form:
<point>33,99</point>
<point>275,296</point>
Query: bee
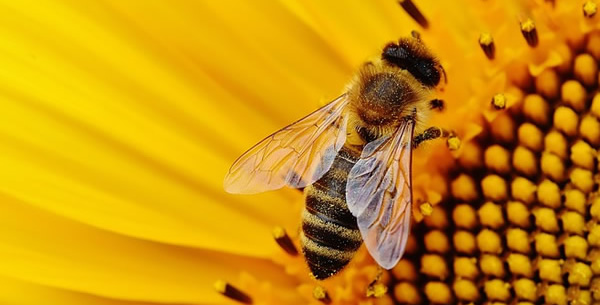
<point>352,158</point>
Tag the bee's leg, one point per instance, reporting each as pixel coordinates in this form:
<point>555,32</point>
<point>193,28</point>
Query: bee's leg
<point>376,289</point>
<point>436,104</point>
<point>432,133</point>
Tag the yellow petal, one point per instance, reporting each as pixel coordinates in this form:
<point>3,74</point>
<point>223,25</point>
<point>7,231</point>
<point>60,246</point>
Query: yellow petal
<point>49,250</point>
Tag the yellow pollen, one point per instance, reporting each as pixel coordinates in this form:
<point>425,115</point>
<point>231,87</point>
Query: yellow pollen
<point>527,25</point>
<point>321,294</point>
<point>529,32</point>
<point>220,286</point>
<point>426,208</point>
<point>377,290</point>
<point>278,232</point>
<point>453,143</point>
<point>486,39</point>
<point>499,101</point>
<point>487,45</point>
<point>589,9</point>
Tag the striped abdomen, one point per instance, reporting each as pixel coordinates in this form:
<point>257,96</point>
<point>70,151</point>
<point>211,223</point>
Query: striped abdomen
<point>330,236</point>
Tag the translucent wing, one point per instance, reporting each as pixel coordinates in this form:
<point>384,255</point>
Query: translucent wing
<point>378,194</point>
<point>296,155</point>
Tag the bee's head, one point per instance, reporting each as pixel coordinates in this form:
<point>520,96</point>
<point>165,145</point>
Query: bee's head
<point>411,54</point>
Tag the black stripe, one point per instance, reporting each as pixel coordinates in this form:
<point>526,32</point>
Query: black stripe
<point>321,266</point>
<point>329,212</point>
<point>327,237</point>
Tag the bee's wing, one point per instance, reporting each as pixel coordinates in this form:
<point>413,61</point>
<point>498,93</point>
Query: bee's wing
<point>379,195</point>
<point>296,155</point>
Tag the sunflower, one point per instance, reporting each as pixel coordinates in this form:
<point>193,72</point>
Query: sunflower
<point>120,118</point>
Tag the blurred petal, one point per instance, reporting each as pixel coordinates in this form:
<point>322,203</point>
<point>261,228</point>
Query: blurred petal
<point>42,248</point>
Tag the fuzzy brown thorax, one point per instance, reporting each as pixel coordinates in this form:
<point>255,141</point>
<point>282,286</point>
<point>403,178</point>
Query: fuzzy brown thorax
<point>384,95</point>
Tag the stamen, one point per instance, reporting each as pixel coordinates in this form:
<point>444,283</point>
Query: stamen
<point>453,143</point>
<point>284,241</point>
<point>321,294</point>
<point>487,45</point>
<point>499,101</point>
<point>231,292</point>
<point>589,9</point>
<point>426,208</point>
<point>376,290</point>
<point>414,12</point>
<point>530,32</point>
<point>416,35</point>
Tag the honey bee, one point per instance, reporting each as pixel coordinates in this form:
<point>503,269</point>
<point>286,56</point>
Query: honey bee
<point>352,157</point>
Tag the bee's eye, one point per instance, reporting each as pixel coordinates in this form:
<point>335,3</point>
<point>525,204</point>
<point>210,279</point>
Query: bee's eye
<point>423,68</point>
